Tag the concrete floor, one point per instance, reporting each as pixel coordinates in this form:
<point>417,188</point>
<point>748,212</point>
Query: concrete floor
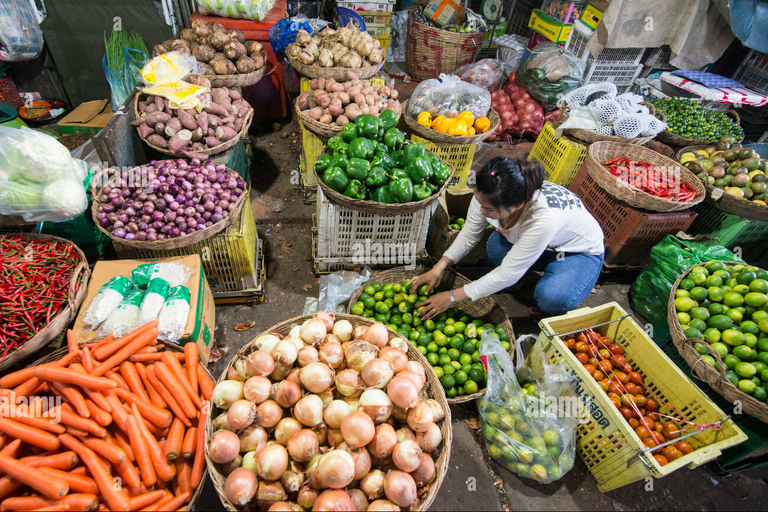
<point>473,481</point>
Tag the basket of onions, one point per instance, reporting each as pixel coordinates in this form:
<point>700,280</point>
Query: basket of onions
<point>328,413</point>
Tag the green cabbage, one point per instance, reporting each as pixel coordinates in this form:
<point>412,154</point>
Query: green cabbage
<point>21,196</point>
<point>33,155</point>
<point>65,199</point>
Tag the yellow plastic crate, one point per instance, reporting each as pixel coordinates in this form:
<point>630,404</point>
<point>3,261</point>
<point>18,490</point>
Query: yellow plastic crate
<point>606,443</point>
<point>561,157</point>
<point>384,39</point>
<point>458,155</point>
<point>228,257</point>
<point>312,147</point>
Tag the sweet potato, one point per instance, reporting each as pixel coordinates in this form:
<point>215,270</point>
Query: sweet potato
<point>192,154</point>
<point>213,120</point>
<point>157,117</point>
<point>197,134</point>
<point>216,109</point>
<point>142,106</point>
<point>221,97</point>
<point>160,129</point>
<point>241,108</point>
<point>138,122</point>
<point>158,140</point>
<point>158,102</point>
<point>234,95</point>
<point>225,133</point>
<point>238,124</point>
<point>173,126</point>
<point>179,141</point>
<point>187,119</point>
<point>145,130</point>
<point>197,146</point>
<point>200,80</point>
<point>212,141</point>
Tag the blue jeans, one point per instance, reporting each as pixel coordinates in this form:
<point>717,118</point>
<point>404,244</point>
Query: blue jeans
<point>566,282</point>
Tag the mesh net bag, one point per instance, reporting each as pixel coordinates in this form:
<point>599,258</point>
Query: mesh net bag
<point>590,92</point>
<point>604,130</point>
<point>655,126</point>
<point>630,126</point>
<point>605,111</point>
<point>629,102</point>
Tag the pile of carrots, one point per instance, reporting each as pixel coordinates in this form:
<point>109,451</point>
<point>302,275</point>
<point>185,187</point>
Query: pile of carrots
<point>130,434</point>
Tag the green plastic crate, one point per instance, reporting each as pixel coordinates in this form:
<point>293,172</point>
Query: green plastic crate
<point>732,230</point>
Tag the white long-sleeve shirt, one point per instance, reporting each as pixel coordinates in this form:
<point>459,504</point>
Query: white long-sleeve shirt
<point>556,219</point>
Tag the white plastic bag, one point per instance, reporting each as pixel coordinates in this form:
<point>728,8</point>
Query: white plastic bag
<point>511,50</point>
<point>175,273</point>
<point>448,96</point>
<point>39,179</point>
<point>110,295</point>
<point>173,317</point>
<point>152,303</point>
<point>254,10</point>
<point>124,318</point>
<point>486,73</point>
<point>20,35</point>
<point>338,287</point>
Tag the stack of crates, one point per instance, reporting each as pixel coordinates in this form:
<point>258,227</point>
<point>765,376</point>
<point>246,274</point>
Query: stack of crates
<point>744,236</point>
<point>621,66</point>
<point>753,74</point>
<point>377,15</point>
<point>658,58</point>
<point>561,157</point>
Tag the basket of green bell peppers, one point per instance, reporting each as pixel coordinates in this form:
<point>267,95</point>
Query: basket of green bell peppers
<point>371,167</point>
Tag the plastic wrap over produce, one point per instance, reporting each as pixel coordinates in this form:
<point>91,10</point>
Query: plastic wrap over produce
<point>20,34</point>
<point>243,9</point>
<point>39,179</point>
<point>449,96</point>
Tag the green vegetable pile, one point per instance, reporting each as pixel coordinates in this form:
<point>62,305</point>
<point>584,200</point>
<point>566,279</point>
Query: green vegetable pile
<point>689,119</point>
<point>120,40</point>
<point>450,342</point>
<point>371,160</point>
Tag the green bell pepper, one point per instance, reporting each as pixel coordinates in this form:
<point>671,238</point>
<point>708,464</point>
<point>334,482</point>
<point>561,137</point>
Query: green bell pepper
<point>355,190</point>
<point>431,186</point>
<point>441,172</point>
<point>383,160</point>
<point>419,170</point>
<point>381,148</point>
<point>349,132</point>
<point>323,163</point>
<point>388,118</point>
<point>413,151</point>
<point>382,195</point>
<point>358,168</point>
<point>394,139</point>
<point>377,177</point>
<point>337,179</point>
<point>336,142</point>
<point>421,191</point>
<point>367,126</point>
<point>398,173</point>
<point>401,190</point>
<point>339,161</point>
<point>397,158</point>
<point>362,148</point>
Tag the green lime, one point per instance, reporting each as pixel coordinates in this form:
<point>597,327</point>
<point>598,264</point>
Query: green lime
<point>399,298</point>
<point>387,286</point>
<point>720,322</point>
<point>711,335</point>
<point>423,350</point>
<point>701,325</point>
<point>454,354</point>
<point>759,285</point>
<point>762,344</point>
<point>378,296</point>
<point>414,335</point>
<point>469,346</point>
<point>476,356</point>
<point>432,358</point>
<point>732,377</point>
<point>466,358</point>
<point>743,352</point>
<point>443,351</point>
<point>459,326</point>
<point>733,299</point>
<point>763,325</point>
<point>746,276</point>
<point>423,340</point>
<point>471,387</point>
<point>748,326</point>
<point>408,318</point>
<point>445,362</point>
<point>477,375</point>
<point>715,293</point>
<point>461,377</point>
<point>440,338</point>
<point>720,348</point>
<point>683,318</point>
<point>448,368</point>
<point>741,289</point>
<point>731,361</point>
<point>429,325</point>
<point>700,348</point>
<point>733,337</point>
<point>397,287</point>
<point>684,304</point>
<point>388,294</point>
<point>756,299</point>
<point>735,315</point>
<point>457,341</point>
<point>716,309</point>
<point>750,340</point>
<point>713,266</point>
<point>760,393</point>
<point>405,307</point>
<point>764,375</point>
<point>383,318</point>
<point>369,302</point>
<point>760,367</point>
<point>390,304</point>
<point>699,313</point>
<point>438,372</point>
<point>449,330</point>
<point>456,365</point>
<point>396,320</point>
<point>448,381</point>
<point>357,308</point>
<point>747,386</point>
<point>686,284</point>
<point>710,360</point>
<point>451,393</point>
<point>698,293</point>
<point>378,287</point>
<point>466,367</point>
<point>693,333</point>
<point>381,308</point>
<point>714,282</point>
<point>423,291</point>
<point>505,345</point>
<point>698,278</point>
<point>370,290</point>
<point>681,293</point>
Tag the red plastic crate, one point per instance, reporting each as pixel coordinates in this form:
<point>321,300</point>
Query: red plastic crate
<point>630,233</point>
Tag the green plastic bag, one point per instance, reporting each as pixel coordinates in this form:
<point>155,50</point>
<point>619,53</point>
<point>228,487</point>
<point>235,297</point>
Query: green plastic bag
<point>669,259</point>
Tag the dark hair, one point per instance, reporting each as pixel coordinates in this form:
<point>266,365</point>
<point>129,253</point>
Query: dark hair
<point>508,182</point>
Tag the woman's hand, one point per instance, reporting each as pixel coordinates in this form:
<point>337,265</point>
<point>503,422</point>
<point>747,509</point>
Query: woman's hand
<point>430,278</point>
<point>434,305</point>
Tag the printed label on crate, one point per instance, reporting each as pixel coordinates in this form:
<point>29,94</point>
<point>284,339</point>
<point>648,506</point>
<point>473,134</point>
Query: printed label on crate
<point>553,29</point>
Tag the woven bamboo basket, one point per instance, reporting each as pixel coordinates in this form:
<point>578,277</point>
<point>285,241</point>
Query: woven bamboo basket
<point>590,137</point>
<point>674,139</point>
<point>430,51</point>
<point>240,79</point>
<point>168,243</point>
<point>375,208</point>
<point>338,73</point>
<point>78,284</point>
<point>728,203</point>
<point>433,389</point>
<point>58,354</point>
<point>441,138</point>
<point>600,152</point>
<point>322,130</point>
<point>210,151</point>
<point>703,370</point>
<point>484,308</point>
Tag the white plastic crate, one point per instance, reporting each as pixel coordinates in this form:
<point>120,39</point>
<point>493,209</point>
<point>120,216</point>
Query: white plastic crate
<point>753,72</point>
<point>577,44</point>
<point>364,5</point>
<point>620,74</point>
<point>350,238</point>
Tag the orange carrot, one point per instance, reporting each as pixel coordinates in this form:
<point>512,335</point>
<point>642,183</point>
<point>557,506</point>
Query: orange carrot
<point>98,414</point>
<point>167,397</point>
<point>29,435</point>
<point>123,443</point>
<point>77,483</point>
<point>69,376</point>
<point>8,486</point>
<point>190,358</point>
<point>76,432</point>
<point>96,396</point>
<point>154,397</point>
<point>131,376</point>
<point>58,508</point>
<point>49,486</point>
<point>160,417</point>
<point>107,350</point>
<point>144,500</point>
<point>175,367</point>
<point>190,443</point>
<point>74,501</point>
<point>64,461</point>
<point>117,379</point>
<point>103,342</point>
<point>119,414</point>
<point>116,499</point>
<point>171,503</point>
<point>173,442</point>
<point>23,376</point>
<point>23,415</point>
<point>73,395</point>
<point>73,420</point>
<point>164,469</point>
<point>198,464</point>
<point>12,449</point>
<point>156,431</point>
<point>183,477</point>
<point>112,452</point>
<point>89,363</point>
<point>173,385</point>
<point>71,341</point>
<point>150,349</point>
<point>128,473</point>
<point>141,451</point>
<point>3,440</point>
<point>145,358</point>
<point>142,340</point>
<point>206,385</point>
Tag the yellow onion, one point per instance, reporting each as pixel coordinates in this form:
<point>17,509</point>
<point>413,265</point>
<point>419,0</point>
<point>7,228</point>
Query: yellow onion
<point>358,429</point>
<point>377,335</point>
<point>403,392</point>
<point>268,414</point>
<point>372,484</point>
<point>272,462</point>
<point>241,486</point>
<point>406,455</point>
<point>359,499</point>
<point>307,354</point>
<point>316,377</point>
<point>430,440</point>
<point>303,445</point>
<point>396,358</point>
<point>336,411</point>
<point>331,353</point>
<point>269,493</point>
<point>376,404</point>
<point>253,438</point>
<point>259,363</point>
<point>343,329</point>
<point>420,417</point>
<point>285,430</point>
<point>383,441</point>
<point>286,393</point>
<point>400,488</point>
<point>309,410</point>
<point>377,373</point>
<point>349,383</point>
<point>307,496</point>
<point>335,469</point>
<point>357,353</point>
<point>313,331</point>
<point>425,473</point>
<point>333,500</point>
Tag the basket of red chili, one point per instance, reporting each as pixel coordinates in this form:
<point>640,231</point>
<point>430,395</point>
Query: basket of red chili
<point>643,178</point>
<point>43,279</point>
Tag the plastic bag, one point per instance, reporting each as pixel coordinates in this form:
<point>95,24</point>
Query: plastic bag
<point>125,317</point>
<point>527,431</point>
<point>39,179</point>
<point>173,317</point>
<point>283,33</point>
<point>338,287</point>
<point>449,96</point>
<point>164,76</point>
<point>123,81</point>
<point>511,50</point>
<point>20,35</point>
<point>550,72</point>
<point>175,273</point>
<point>396,50</point>
<point>669,259</point>
<point>485,73</point>
<point>157,292</point>
<point>110,295</point>
<point>254,10</point>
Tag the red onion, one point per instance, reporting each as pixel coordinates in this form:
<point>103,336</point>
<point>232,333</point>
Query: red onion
<point>358,429</point>
<point>241,486</point>
<point>224,446</point>
<point>333,500</point>
<point>400,489</point>
<point>272,462</point>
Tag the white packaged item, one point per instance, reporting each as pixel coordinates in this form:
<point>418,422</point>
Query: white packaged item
<point>124,318</point>
<point>173,316</point>
<point>157,292</point>
<point>109,297</point>
<point>174,272</point>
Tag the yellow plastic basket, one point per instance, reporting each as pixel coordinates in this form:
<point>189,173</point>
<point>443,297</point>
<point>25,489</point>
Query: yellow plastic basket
<point>458,155</point>
<point>606,443</point>
<point>227,257</point>
<point>561,157</point>
<point>312,147</point>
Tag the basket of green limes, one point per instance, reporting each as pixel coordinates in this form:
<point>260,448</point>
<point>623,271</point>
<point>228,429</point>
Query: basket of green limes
<point>451,341</point>
<point>718,318</point>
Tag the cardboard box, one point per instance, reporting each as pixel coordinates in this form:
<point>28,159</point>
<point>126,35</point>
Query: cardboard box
<point>202,319</point>
<point>591,16</point>
<point>443,12</point>
<point>88,118</point>
<point>441,236</point>
<point>551,28</point>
